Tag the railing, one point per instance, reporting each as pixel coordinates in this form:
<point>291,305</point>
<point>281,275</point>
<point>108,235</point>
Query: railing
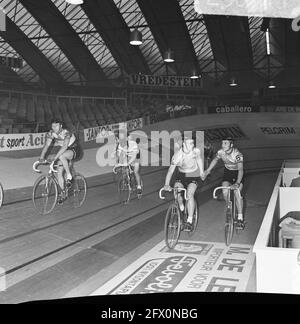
<point>277,268</point>
<point>36,95</point>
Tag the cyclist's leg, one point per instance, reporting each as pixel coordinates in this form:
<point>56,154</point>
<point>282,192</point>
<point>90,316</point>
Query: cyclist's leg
<point>60,175</point>
<point>178,184</point>
<point>61,182</point>
<point>64,159</point>
<point>239,203</point>
<point>136,169</point>
<point>191,203</point>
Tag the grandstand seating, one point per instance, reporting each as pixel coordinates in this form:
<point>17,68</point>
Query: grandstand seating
<point>26,113</point>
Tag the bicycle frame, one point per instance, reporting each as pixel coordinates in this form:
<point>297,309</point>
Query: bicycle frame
<point>175,219</point>
<point>51,173</point>
<point>67,192</point>
<point>128,172</point>
<point>228,188</point>
<point>231,207</point>
<point>183,214</point>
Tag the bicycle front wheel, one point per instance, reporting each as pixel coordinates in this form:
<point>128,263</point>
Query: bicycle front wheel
<point>228,226</point>
<point>172,226</point>
<point>124,190</point>
<point>1,195</point>
<point>44,195</point>
<point>78,190</point>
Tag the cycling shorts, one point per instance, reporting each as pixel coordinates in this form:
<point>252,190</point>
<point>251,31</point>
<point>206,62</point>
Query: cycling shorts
<point>230,176</point>
<point>185,179</point>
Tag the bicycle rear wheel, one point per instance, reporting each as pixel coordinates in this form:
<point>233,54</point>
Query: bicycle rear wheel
<point>172,226</point>
<point>228,226</point>
<point>124,190</point>
<point>44,195</point>
<point>1,195</point>
<point>77,192</point>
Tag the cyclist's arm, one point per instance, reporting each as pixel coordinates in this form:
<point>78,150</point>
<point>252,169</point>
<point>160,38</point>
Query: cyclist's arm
<point>63,148</point>
<point>200,165</point>
<point>133,157</point>
<point>174,162</point>
<point>169,174</point>
<point>212,165</point>
<point>240,173</point>
<point>133,152</point>
<point>45,148</point>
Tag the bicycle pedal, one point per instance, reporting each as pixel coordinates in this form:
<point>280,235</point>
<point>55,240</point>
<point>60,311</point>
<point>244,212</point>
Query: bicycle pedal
<point>241,225</point>
<point>187,227</point>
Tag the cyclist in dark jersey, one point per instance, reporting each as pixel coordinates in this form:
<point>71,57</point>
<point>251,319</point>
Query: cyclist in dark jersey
<point>69,150</point>
<point>233,171</point>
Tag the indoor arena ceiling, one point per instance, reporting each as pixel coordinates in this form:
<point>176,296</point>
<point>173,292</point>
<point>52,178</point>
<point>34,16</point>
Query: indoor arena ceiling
<point>89,44</point>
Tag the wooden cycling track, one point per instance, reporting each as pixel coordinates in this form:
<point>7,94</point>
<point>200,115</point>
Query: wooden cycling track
<point>71,252</point>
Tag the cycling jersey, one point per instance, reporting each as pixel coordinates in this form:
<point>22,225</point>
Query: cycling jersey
<point>186,162</point>
<point>61,136</point>
<point>128,151</point>
<point>231,159</point>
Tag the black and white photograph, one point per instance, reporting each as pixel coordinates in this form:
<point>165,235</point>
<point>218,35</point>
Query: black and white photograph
<point>149,152</point>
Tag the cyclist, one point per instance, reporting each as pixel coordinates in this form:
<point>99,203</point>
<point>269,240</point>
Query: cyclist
<point>69,150</point>
<point>233,172</point>
<point>128,153</point>
<point>190,170</point>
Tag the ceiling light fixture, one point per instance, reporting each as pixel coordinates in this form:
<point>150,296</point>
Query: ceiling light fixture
<point>271,85</point>
<point>75,2</point>
<point>268,42</point>
<point>169,56</point>
<point>233,82</point>
<point>194,75</point>
<point>136,37</point>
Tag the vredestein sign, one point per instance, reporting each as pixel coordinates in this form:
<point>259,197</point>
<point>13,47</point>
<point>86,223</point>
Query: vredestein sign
<point>165,81</point>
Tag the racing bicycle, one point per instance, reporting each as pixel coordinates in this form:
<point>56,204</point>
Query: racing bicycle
<point>46,188</point>
<point>176,220</point>
<point>126,182</point>
<point>231,220</point>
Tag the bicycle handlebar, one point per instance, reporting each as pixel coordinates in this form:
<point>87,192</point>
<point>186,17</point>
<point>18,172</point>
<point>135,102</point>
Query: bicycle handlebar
<point>121,165</point>
<point>229,188</point>
<point>179,189</point>
<point>37,163</point>
<point>52,166</point>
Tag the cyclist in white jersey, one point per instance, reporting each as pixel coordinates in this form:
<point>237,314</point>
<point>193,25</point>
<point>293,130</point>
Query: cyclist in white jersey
<point>69,150</point>
<point>128,153</point>
<point>190,171</point>
<point>233,171</point>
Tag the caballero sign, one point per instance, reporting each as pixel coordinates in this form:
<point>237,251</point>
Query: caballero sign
<point>233,109</point>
